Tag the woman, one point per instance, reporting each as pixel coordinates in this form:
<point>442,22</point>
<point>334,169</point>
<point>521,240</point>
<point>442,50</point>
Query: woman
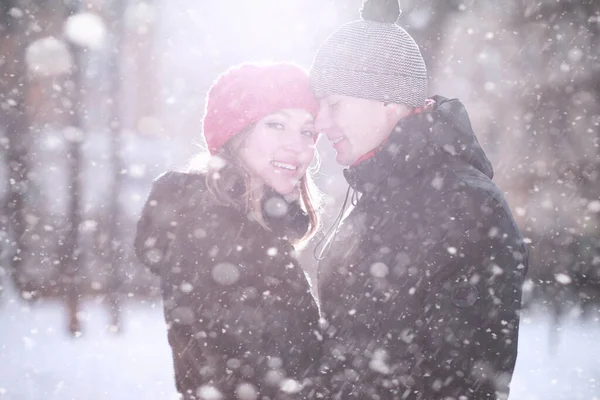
<point>242,321</point>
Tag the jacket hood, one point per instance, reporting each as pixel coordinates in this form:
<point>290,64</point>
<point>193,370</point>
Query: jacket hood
<point>438,139</point>
<point>179,195</point>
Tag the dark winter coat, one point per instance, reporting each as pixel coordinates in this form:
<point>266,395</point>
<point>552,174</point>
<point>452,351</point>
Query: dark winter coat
<point>240,313</point>
<point>421,289</point>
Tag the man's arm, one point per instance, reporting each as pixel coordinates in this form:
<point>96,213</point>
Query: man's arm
<point>470,327</point>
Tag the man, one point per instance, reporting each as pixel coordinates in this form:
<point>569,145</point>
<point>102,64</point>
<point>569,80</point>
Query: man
<point>421,287</point>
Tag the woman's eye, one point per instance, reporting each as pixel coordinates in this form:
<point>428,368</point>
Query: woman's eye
<point>275,125</point>
<point>309,133</point>
<point>334,106</point>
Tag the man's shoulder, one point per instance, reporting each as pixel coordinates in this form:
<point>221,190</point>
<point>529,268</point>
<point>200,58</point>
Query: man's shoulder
<point>458,196</point>
<point>475,193</point>
<point>476,208</point>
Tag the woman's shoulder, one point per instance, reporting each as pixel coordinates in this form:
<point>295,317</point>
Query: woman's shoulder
<point>186,190</point>
<point>198,209</point>
<point>179,183</point>
<point>179,200</point>
<point>195,205</point>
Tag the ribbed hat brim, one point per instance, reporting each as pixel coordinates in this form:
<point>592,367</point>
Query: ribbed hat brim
<point>395,88</point>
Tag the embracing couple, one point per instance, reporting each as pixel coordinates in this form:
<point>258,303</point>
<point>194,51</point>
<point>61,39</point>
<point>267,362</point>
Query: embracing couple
<point>420,283</point>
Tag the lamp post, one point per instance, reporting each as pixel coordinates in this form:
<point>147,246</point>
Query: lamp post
<point>84,32</point>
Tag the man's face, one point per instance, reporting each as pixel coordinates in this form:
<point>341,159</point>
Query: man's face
<point>354,126</point>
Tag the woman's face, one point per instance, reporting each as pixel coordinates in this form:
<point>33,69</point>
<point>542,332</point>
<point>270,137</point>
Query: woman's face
<point>279,149</point>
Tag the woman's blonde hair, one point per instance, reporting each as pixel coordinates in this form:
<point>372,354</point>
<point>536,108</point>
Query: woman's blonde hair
<point>250,201</point>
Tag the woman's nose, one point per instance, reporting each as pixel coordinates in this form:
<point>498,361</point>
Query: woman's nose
<point>296,142</point>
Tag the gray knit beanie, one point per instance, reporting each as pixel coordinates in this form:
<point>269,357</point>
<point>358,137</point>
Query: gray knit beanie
<point>372,58</point>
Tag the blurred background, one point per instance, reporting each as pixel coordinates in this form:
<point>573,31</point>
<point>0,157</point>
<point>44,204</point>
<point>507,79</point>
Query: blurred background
<point>98,97</point>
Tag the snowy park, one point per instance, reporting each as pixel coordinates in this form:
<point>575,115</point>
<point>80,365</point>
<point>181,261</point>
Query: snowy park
<point>441,176</point>
<point>41,361</point>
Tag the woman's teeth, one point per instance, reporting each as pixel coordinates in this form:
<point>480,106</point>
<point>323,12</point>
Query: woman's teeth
<point>283,165</point>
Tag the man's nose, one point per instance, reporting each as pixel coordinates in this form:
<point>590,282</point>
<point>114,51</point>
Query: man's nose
<point>323,121</point>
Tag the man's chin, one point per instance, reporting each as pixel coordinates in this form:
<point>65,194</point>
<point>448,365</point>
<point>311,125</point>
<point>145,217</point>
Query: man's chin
<point>343,160</point>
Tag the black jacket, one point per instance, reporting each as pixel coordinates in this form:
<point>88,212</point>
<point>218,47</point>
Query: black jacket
<point>421,289</point>
<point>239,309</point>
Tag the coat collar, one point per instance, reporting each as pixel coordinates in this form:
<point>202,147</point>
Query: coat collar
<point>284,218</point>
<point>440,139</point>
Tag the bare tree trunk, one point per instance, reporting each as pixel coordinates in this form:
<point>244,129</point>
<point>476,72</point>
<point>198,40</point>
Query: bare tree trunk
<point>593,176</point>
<point>117,9</point>
<point>13,111</point>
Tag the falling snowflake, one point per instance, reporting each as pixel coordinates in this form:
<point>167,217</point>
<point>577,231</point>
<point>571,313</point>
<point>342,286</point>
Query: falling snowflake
<point>497,270</point>
<point>153,256</point>
<point>137,170</point>
<point>225,273</point>
<point>379,270</point>
<point>276,207</point>
<point>438,182</point>
<point>73,135</point>
<point>216,163</point>
<point>291,386</point>
<point>200,233</point>
<point>494,231</point>
<point>140,16</point>
<point>246,391</point>
<point>378,362</point>
<point>86,30</point>
<point>89,225</point>
<point>48,57</point>
<point>234,363</point>
<point>16,12</point>
<point>28,342</point>
<point>184,315</point>
<point>563,279</point>
<point>208,392</point>
<point>275,362</point>
<point>274,377</point>
<point>186,287</point>
<point>594,206</point>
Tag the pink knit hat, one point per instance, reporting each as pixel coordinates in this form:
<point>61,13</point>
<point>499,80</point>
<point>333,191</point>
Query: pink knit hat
<point>246,93</point>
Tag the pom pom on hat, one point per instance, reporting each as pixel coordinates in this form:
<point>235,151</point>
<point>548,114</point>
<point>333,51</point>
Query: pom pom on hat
<point>386,11</point>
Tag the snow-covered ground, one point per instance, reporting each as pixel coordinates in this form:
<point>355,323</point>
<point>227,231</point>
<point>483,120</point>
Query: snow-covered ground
<point>38,360</point>
<point>557,363</point>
